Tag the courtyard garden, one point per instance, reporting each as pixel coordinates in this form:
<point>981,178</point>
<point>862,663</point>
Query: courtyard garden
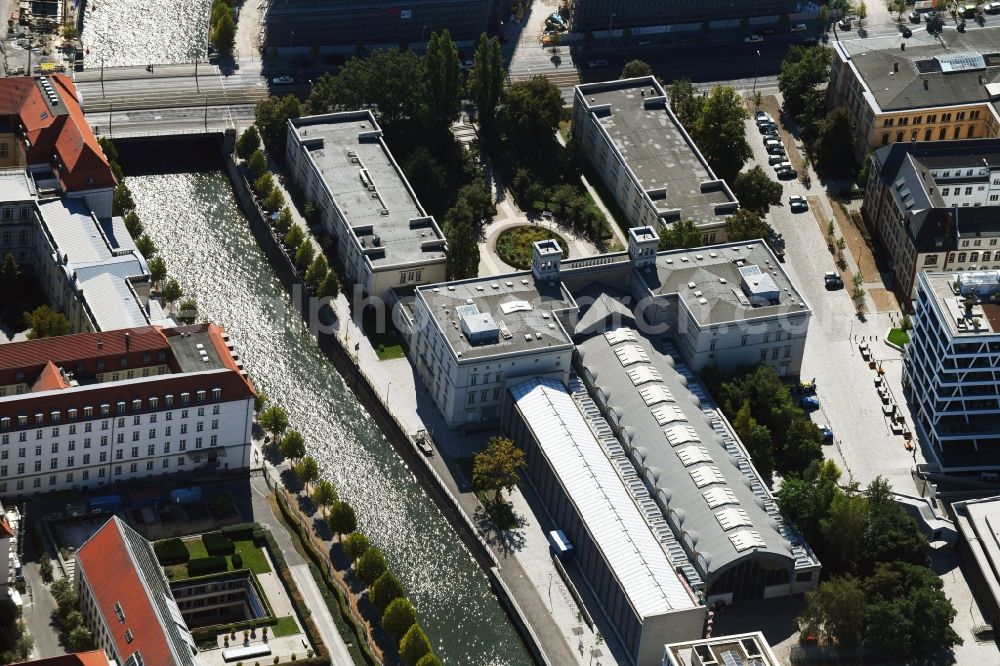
<point>514,245</point>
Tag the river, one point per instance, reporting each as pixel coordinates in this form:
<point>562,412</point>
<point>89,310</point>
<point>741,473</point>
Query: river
<point>130,32</point>
<point>200,231</point>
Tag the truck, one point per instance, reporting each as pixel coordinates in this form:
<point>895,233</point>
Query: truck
<point>186,495</point>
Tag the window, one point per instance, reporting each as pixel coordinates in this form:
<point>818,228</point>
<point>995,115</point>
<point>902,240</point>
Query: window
<point>960,115</point>
<point>932,118</point>
<point>961,257</point>
<point>767,337</point>
<point>930,260</point>
<point>472,398</point>
<point>151,450</point>
<point>55,447</point>
<point>885,138</point>
<point>135,436</point>
<point>788,351</point>
<point>946,117</point>
<point>888,122</point>
<point>215,424</point>
<point>763,355</point>
<point>927,134</point>
<point>944,191</point>
<point>968,190</point>
<point>971,132</point>
<point>743,341</point>
<point>774,353</point>
<point>942,134</point>
<point>133,468</point>
<point>149,465</point>
<point>119,613</point>
<point>214,439</point>
<point>956,132</point>
<point>152,433</point>
<point>974,256</point>
<point>135,451</point>
<point>899,137</point>
<point>474,380</point>
<point>4,150</point>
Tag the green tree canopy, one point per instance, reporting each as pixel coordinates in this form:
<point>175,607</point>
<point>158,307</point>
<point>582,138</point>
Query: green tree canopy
<point>529,115</point>
<point>685,102</point>
<point>10,274</point>
<point>224,33</point>
<point>271,116</point>
<point>133,225</point>
<point>720,132</point>
<point>157,269</point>
<point>284,221</point>
<point>834,145</point>
<point>80,639</point>
<point>461,229</point>
<point>146,246</point>
<point>746,224</point>
<point>496,468</point>
<point>293,239</point>
<point>317,270</point>
<point>264,184</point>
<point>370,566</point>
<point>329,287</point>
<point>187,311</point>
<point>342,519</point>
<point>45,322</point>
<point>274,200</point>
<point>757,191</point>
<point>307,471</point>
<point>354,545</point>
<point>836,610</point>
<point>398,617</point>
<point>761,449</point>
<point>444,80</point>
<point>172,292</point>
<point>121,198</point>
<point>248,143</point>
<point>891,534</point>
<point>427,177</point>
<point>429,659</point>
<point>274,420</point>
<point>802,74</point>
<point>304,255</point>
<point>485,82</point>
<point>324,495</point>
<point>414,645</point>
<point>680,234</point>
<point>634,69</point>
<point>257,164</point>
<point>293,445</point>
<point>384,590</point>
<point>843,528</point>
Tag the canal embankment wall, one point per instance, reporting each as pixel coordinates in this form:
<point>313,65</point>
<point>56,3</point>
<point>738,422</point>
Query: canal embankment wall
<point>309,308</point>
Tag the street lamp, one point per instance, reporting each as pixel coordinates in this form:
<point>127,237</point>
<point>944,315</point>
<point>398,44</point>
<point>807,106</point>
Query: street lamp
<point>610,21</point>
<point>756,69</point>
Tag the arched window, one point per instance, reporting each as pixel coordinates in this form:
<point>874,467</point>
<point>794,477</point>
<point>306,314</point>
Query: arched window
<point>961,257</point>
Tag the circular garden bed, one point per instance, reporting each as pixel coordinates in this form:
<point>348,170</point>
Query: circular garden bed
<point>514,245</point>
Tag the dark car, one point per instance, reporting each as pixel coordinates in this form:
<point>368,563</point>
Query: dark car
<point>798,204</point>
<point>766,31</point>
<point>907,33</point>
<point>832,281</point>
<point>788,174</point>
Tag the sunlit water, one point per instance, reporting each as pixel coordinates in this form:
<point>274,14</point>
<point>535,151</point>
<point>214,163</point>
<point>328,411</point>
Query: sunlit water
<point>209,249</point>
<point>139,32</point>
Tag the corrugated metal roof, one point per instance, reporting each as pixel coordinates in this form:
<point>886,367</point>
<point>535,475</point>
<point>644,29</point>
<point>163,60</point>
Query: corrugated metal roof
<point>112,303</point>
<point>601,499</point>
<point>74,230</point>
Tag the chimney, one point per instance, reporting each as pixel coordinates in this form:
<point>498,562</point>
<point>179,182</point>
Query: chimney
<point>127,342</point>
<point>895,66</point>
<point>100,343</point>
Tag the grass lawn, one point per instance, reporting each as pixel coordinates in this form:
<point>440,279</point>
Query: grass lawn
<point>387,343</point>
<point>253,557</point>
<point>899,337</point>
<point>195,548</point>
<point>514,244</point>
<point>564,126</point>
<point>286,626</point>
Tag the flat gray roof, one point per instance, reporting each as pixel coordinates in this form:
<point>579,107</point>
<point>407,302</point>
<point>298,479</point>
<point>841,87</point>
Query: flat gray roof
<point>950,304</point>
<point>925,58</point>
<point>15,185</point>
<point>188,348</point>
<point>690,451</point>
<point>530,306</point>
<point>658,150</point>
<point>717,295</point>
<point>352,158</point>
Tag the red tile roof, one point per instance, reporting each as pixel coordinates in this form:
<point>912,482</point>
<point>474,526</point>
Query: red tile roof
<point>5,531</point>
<point>93,658</point>
<point>54,132</point>
<point>50,379</point>
<point>110,572</point>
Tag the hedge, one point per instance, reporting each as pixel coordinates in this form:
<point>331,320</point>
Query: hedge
<point>243,532</point>
<point>206,565</point>
<point>218,544</point>
<point>171,551</point>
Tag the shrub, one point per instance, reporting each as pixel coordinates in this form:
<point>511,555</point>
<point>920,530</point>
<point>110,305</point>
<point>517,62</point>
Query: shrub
<point>201,566</point>
<point>171,551</point>
<point>399,616</point>
<point>237,560</point>
<point>217,543</point>
<point>429,659</point>
<point>241,532</point>
<point>371,565</point>
<point>354,544</point>
<point>414,645</point>
<point>384,590</point>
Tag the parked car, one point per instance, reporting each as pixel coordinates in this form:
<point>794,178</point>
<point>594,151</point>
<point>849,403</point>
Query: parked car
<point>809,402</point>
<point>763,116</point>
<point>753,39</point>
<point>780,166</point>
<point>593,64</point>
<point>907,33</point>
<point>832,280</point>
<point>798,204</point>
<point>768,129</point>
<point>768,142</point>
<point>766,31</point>
<point>775,159</point>
<point>775,149</point>
<point>281,80</point>
<point>788,173</point>
<point>468,64</point>
<point>914,16</point>
<point>992,8</point>
<point>798,27</point>
<point>930,16</point>
<point>827,433</point>
<point>810,41</point>
<point>844,24</point>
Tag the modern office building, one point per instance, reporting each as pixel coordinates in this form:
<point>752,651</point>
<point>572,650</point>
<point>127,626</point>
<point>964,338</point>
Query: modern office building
<point>81,411</point>
<point>591,15</point>
<point>126,600</point>
<point>750,649</point>
<point>918,89</point>
<point>646,158</point>
<point>353,23</point>
<point>43,129</point>
<point>948,371</point>
<point>934,206</point>
<point>383,236</point>
<point>728,304</point>
<point>978,523</point>
<point>642,595</point>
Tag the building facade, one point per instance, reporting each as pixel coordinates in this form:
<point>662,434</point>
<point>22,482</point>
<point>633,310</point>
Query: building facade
<point>590,15</point>
<point>646,158</point>
<point>911,90</point>
<point>933,206</point>
<point>126,600</point>
<point>979,548</point>
<point>383,236</point>
<point>303,23</point>
<point>85,410</point>
<point>948,371</point>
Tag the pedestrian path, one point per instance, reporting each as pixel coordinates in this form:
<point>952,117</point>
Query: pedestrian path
<point>339,655</point>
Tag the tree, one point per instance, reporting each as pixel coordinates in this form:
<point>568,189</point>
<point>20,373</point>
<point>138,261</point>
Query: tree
<point>329,287</point>
<point>745,224</point>
<point>46,323</point>
<point>122,201</point>
<point>10,274</point>
<point>862,11</point>
<point>529,115</point>
<point>462,233</point>
<point>413,645</point>
<point>486,80</point>
<point>68,602</point>
<point>443,80</point>
<point>370,566</point>
<point>800,81</point>
<point>721,132</point>
<point>133,224</point>
<point>496,468</point>
<point>843,529</point>
<point>44,570</point>
<point>354,545</point>
<point>307,471</point>
<point>257,163</point>
<point>757,191</point>
<point>824,17</point>
<point>427,177</point>
<point>834,144</point>
<point>248,143</point>
<point>157,269</point>
<point>146,246</point>
<point>80,639</point>
<point>680,234</point>
<point>187,311</point>
<point>224,33</point>
<point>304,255</point>
<point>802,444</point>
<point>274,200</point>
<point>324,495</point>
<point>171,292</point>
<point>429,659</point>
<point>891,534</point>
<point>264,184</point>
<point>398,617</point>
<point>317,270</point>
<point>293,239</point>
<point>24,643</point>
<point>633,69</point>
<point>284,221</point>
<point>342,519</point>
<point>274,420</point>
<point>385,590</point>
<point>271,116</point>
<point>685,102</point>
<point>293,445</point>
<point>761,449</point>
<point>835,609</point>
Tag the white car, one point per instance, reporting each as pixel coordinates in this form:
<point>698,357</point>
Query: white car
<point>798,204</point>
<point>992,8</point>
<point>278,80</point>
<point>798,27</point>
<point>754,39</point>
<point>468,64</point>
<point>782,165</point>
